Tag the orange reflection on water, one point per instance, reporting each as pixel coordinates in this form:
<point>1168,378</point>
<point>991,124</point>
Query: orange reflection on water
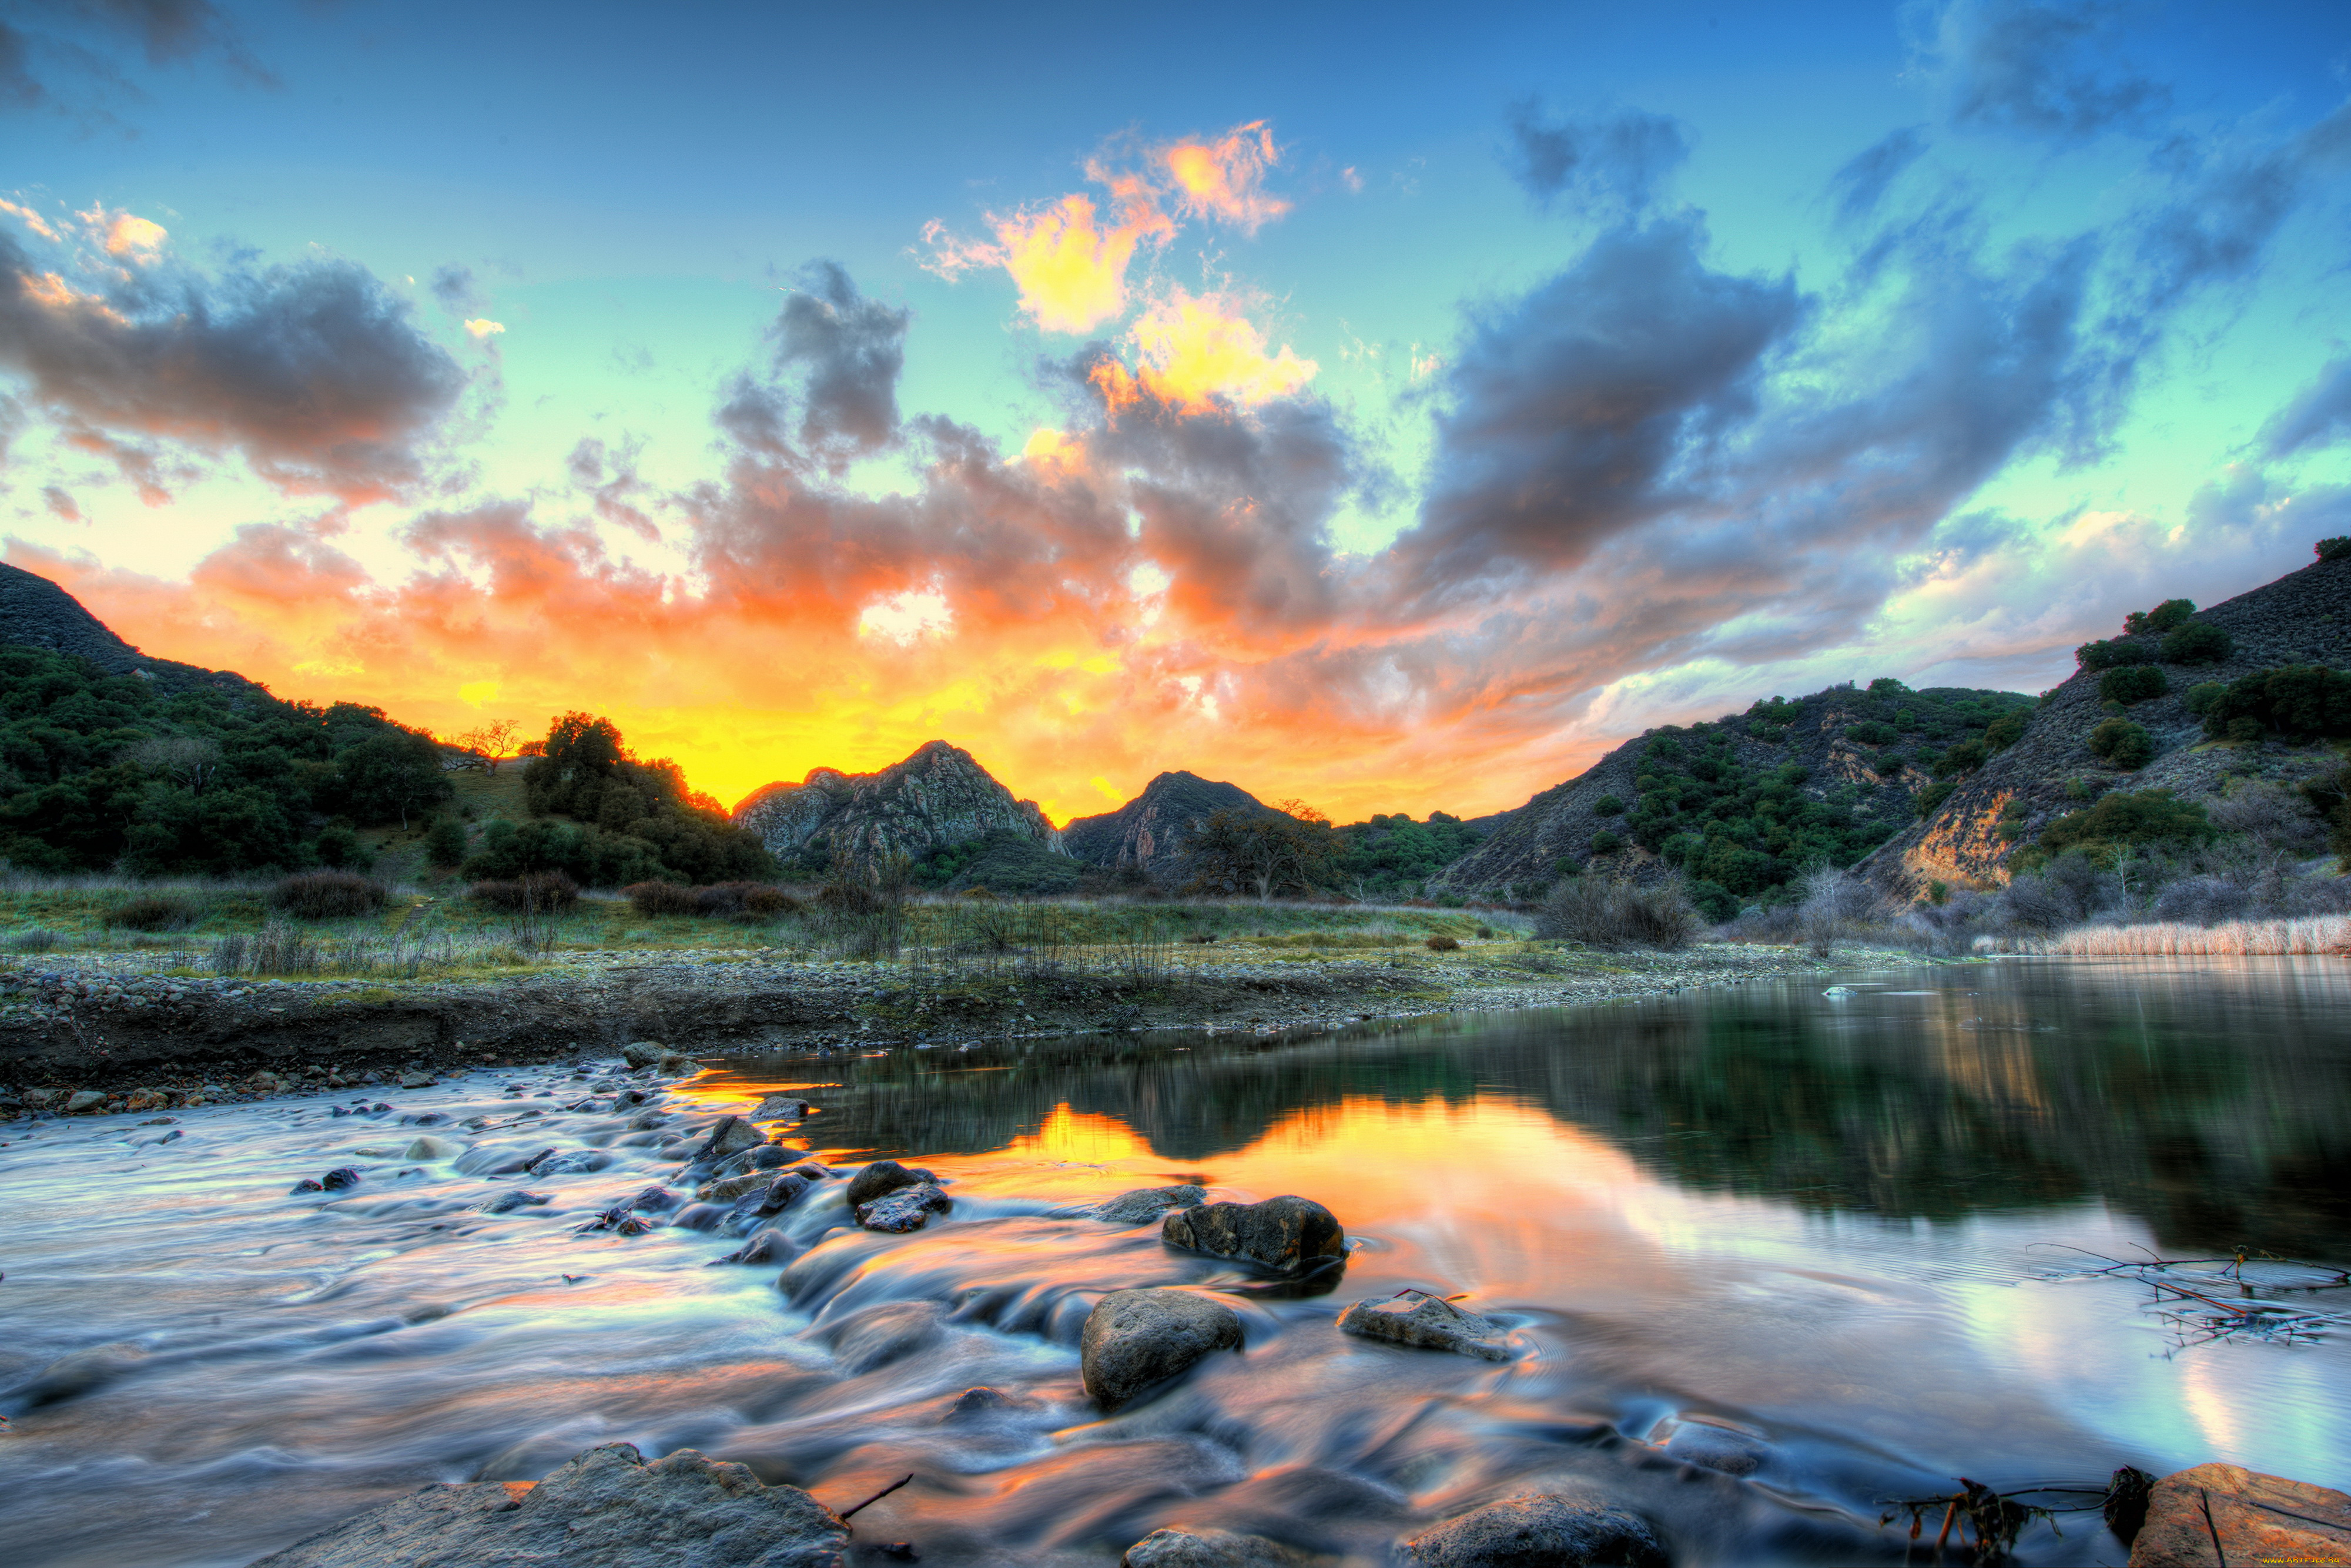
<point>1080,1137</point>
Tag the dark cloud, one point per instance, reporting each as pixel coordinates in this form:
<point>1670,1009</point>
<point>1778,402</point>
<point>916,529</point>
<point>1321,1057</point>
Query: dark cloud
<point>1579,411</point>
<point>459,294</point>
<point>316,373</point>
<point>850,350</point>
<point>1862,182</point>
<point>1613,164</point>
<point>2046,67</point>
<point>610,477</point>
<point>60,505</point>
<point>77,45</point>
<point>2320,414</point>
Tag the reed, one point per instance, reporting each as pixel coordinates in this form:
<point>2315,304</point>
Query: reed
<point>2321,934</point>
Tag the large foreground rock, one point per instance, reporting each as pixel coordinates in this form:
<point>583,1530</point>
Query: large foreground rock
<point>2258,1517</point>
<point>905,1209</point>
<point>1538,1531</point>
<point>881,1177</point>
<point>1287,1233</point>
<point>1428,1321</point>
<point>1182,1548</point>
<point>1147,1203</point>
<point>1134,1340</point>
<point>606,1508</point>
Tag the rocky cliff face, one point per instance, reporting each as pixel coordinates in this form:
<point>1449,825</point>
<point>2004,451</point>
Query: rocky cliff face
<point>38,613</point>
<point>2303,618</point>
<point>1150,832</point>
<point>934,799</point>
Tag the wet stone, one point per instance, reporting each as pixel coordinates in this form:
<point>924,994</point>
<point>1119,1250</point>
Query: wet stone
<point>1538,1531</point>
<point>732,1136</point>
<point>1135,1340</point>
<point>1181,1548</point>
<point>1428,1321</point>
<point>780,1108</point>
<point>883,1176</point>
<point>606,1508</point>
<point>905,1209</point>
<point>2257,1518</point>
<point>507,1202</point>
<point>1287,1233</point>
<point>86,1100</point>
<point>340,1178</point>
<point>1149,1203</point>
<point>768,1247</point>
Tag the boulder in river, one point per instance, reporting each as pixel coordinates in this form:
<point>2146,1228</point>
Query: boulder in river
<point>84,1101</point>
<point>606,1508</point>
<point>732,1136</point>
<point>1147,1203</point>
<point>780,1108</point>
<point>770,1247</point>
<point>1429,1321</point>
<point>1287,1233</point>
<point>2251,1518</point>
<point>881,1176</point>
<point>643,1053</point>
<point>429,1147</point>
<point>905,1209</point>
<point>1538,1531</point>
<point>415,1079</point>
<point>1135,1340</point>
<point>1181,1548</point>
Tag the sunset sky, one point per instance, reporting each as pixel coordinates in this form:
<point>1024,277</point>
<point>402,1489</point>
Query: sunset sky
<point>1389,407</point>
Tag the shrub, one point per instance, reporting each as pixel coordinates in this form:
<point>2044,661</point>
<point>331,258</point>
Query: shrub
<point>2112,654</point>
<point>340,847</point>
<point>539,893</point>
<point>659,898</point>
<point>1604,843</point>
<point>328,895</point>
<point>2198,643</point>
<point>1443,945</point>
<point>2243,728</point>
<point>2302,702</point>
<point>2132,683</point>
<point>1873,732</point>
<point>445,843</point>
<point>1600,912</point>
<point>2129,817</point>
<point>2171,612</point>
<point>1713,900</point>
<point>2201,700</point>
<point>152,912</point>
<point>1930,799</point>
<point>2123,744</point>
<point>2004,732</point>
<point>1608,806</point>
<point>743,901</point>
<point>36,940</point>
<point>1966,756</point>
<point>2335,549</point>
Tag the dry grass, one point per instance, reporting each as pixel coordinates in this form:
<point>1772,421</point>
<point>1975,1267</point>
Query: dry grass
<point>2323,933</point>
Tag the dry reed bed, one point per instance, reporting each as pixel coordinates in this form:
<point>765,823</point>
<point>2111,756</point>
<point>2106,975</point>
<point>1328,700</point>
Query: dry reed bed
<point>2322,934</point>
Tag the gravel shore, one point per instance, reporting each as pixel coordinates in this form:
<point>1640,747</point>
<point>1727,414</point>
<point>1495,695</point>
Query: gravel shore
<point>101,1031</point>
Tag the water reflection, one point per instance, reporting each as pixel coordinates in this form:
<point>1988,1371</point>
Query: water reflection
<point>1765,1258</point>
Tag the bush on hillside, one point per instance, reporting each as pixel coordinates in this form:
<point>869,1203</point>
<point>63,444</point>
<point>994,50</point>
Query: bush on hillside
<point>534,892</point>
<point>445,843</point>
<point>2335,549</point>
<point>1965,757</point>
<point>1443,945</point>
<point>2004,732</point>
<point>328,895</point>
<point>152,912</point>
<point>2140,817</point>
<point>2132,683</point>
<point>2198,643</point>
<point>1608,806</point>
<point>637,820</point>
<point>2112,653</point>
<point>339,847</point>
<point>1603,912</point>
<point>2164,617</point>
<point>2120,743</point>
<point>2301,702</point>
<point>2201,700</point>
<point>657,898</point>
<point>1873,732</point>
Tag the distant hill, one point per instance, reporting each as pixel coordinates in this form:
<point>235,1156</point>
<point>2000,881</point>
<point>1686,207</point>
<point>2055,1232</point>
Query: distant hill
<point>936,800</point>
<point>1743,803</point>
<point>1149,833</point>
<point>2000,808</point>
<point>37,613</point>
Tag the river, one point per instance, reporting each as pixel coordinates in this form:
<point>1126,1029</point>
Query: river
<point>1768,1258</point>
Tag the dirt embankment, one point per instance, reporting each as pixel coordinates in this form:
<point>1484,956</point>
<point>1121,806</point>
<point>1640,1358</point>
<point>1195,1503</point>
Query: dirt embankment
<point>112,1024</point>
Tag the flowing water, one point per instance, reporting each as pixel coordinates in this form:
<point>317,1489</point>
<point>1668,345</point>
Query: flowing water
<point>1767,1257</point>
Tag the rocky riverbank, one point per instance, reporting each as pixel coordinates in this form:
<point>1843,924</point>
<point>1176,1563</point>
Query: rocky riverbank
<point>113,1025</point>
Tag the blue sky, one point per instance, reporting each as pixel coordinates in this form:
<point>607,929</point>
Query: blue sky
<point>1531,374</point>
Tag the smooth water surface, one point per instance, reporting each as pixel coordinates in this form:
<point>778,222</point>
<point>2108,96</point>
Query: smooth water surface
<point>1768,1258</point>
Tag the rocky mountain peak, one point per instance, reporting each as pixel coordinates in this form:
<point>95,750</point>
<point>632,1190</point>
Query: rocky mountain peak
<point>1150,832</point>
<point>936,797</point>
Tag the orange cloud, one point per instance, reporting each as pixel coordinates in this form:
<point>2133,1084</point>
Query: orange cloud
<point>1226,178</point>
<point>1195,352</point>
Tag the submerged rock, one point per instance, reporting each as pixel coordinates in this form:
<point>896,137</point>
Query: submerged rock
<point>780,1108</point>
<point>769,1247</point>
<point>1538,1531</point>
<point>606,1508</point>
<point>905,1209</point>
<point>1147,1203</point>
<point>2255,1517</point>
<point>1429,1321</point>
<point>1181,1548</point>
<point>429,1147</point>
<point>1135,1340</point>
<point>341,1178</point>
<point>1287,1233</point>
<point>883,1176</point>
<point>507,1202</point>
<point>880,1335</point>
